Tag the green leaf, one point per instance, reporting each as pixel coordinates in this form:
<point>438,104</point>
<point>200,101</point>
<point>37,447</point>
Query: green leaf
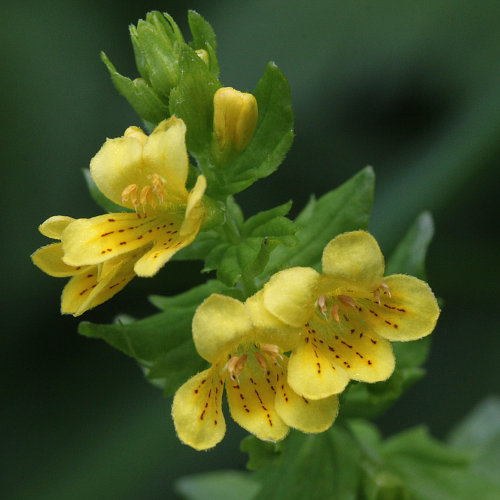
<point>200,248</point>
<point>161,343</point>
<point>260,453</point>
<point>315,467</point>
<point>220,485</point>
<point>139,94</point>
<point>257,221</point>
<point>479,434</point>
<point>98,197</point>
<point>204,38</point>
<point>344,209</point>
<point>409,255</point>
<point>192,100</point>
<point>272,138</point>
<point>195,296</point>
<point>433,471</point>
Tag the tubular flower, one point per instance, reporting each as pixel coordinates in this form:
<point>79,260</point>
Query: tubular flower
<point>146,174</point>
<point>255,375</point>
<point>89,285</point>
<point>341,322</point>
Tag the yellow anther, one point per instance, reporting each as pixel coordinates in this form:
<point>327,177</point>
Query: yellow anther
<point>322,304</point>
<point>346,300</point>
<point>147,197</point>
<point>261,360</point>
<point>130,192</point>
<point>235,365</point>
<point>158,187</point>
<point>273,351</point>
<point>385,288</point>
<point>335,312</point>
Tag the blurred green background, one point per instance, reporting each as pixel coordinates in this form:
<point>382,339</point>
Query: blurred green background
<point>412,88</point>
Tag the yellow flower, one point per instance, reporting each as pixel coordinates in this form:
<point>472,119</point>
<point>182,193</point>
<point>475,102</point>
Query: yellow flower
<point>340,323</point>
<point>235,118</point>
<point>254,373</point>
<point>89,285</point>
<point>147,174</point>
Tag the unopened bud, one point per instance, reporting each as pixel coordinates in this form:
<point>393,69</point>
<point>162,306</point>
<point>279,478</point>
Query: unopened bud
<point>235,118</point>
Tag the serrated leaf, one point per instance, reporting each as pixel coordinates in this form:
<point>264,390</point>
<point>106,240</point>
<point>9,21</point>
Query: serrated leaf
<point>409,255</point>
<point>204,38</point>
<point>346,208</point>
<point>220,485</point>
<point>139,95</point>
<point>98,197</point>
<point>192,100</point>
<point>315,467</point>
<point>200,248</point>
<point>272,138</point>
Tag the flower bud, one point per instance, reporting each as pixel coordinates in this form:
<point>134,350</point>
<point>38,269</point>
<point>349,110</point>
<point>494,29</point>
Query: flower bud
<point>235,118</point>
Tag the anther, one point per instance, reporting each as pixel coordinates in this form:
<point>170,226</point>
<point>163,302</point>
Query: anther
<point>322,304</point>
<point>147,197</point>
<point>346,300</point>
<point>235,365</point>
<point>158,187</point>
<point>335,313</point>
<point>261,360</point>
<point>130,192</point>
<point>385,287</point>
<point>273,351</point>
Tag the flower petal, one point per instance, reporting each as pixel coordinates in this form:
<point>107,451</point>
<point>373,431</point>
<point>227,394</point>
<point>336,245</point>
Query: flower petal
<point>311,373</point>
<point>219,324</point>
<point>301,413</point>
<point>353,257</point>
<point>165,154</point>
<point>54,226</point>
<point>290,294</point>
<point>49,260</point>
<point>251,402</point>
<point>197,410</point>
<point>269,329</point>
<point>76,294</point>
<point>92,241</point>
<point>352,346</point>
<point>409,313</point>
<point>194,208</point>
<point>119,164</point>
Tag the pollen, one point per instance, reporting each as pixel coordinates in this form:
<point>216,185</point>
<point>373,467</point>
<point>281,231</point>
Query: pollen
<point>322,304</point>
<point>235,365</point>
<point>273,351</point>
<point>346,300</point>
<point>261,360</point>
<point>158,187</point>
<point>130,192</point>
<point>335,313</point>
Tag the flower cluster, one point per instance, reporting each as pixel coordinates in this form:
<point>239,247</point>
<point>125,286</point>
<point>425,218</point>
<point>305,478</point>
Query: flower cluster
<point>286,353</point>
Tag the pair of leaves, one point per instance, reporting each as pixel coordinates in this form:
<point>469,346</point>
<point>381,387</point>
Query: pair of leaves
<point>162,343</point>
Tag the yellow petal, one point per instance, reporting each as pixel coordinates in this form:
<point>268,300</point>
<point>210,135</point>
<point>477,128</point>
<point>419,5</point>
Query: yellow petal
<point>194,208</point>
<point>354,257</point>
<point>165,154</point>
<point>355,348</point>
<point>92,241</point>
<point>409,313</point>
<point>269,329</point>
<point>290,294</point>
<point>197,410</point>
<point>304,414</point>
<point>251,402</point>
<point>54,226</point>
<point>49,260</point>
<point>119,164</point>
<point>220,324</point>
<point>311,373</point>
<point>76,294</point>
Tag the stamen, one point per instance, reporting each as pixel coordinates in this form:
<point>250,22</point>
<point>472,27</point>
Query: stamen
<point>335,313</point>
<point>235,365</point>
<point>322,304</point>
<point>131,192</point>
<point>346,300</point>
<point>376,295</point>
<point>273,351</point>
<point>147,197</point>
<point>261,360</point>
<point>385,287</point>
<point>158,187</point>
